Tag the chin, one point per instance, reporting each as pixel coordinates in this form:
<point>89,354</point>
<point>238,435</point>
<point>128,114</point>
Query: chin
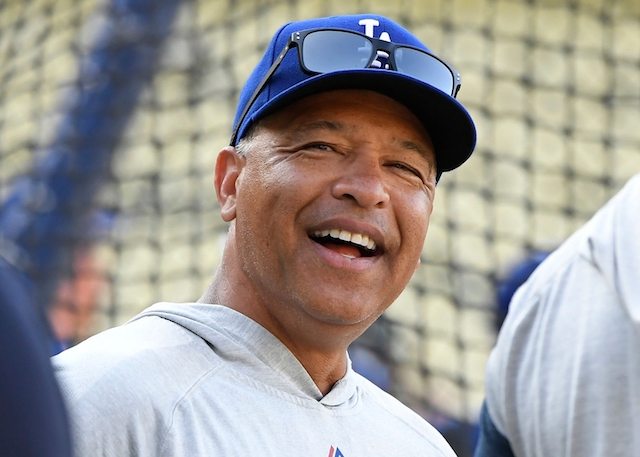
<point>344,313</point>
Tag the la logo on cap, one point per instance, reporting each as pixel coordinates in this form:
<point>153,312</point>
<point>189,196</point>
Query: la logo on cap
<point>369,25</point>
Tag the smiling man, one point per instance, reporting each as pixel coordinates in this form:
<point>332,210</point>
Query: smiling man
<point>342,133</point>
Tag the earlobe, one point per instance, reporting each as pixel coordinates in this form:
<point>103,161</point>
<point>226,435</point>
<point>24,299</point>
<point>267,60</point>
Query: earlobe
<point>228,167</point>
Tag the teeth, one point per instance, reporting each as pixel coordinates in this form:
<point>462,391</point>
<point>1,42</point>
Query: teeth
<point>344,235</point>
<point>371,244</point>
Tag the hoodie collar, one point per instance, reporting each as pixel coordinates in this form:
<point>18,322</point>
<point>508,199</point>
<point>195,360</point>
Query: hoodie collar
<point>253,350</point>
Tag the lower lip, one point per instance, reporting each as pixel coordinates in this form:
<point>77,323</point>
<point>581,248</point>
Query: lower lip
<point>339,261</point>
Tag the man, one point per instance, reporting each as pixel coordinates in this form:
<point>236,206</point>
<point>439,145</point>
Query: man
<point>342,131</point>
<point>564,377</point>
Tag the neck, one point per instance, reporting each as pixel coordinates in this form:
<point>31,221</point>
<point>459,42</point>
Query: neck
<point>320,347</point>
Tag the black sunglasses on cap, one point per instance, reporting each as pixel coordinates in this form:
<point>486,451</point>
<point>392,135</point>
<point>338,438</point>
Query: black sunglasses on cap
<point>328,50</point>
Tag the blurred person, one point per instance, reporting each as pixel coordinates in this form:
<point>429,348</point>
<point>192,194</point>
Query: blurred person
<point>564,377</point>
<point>463,434</point>
<point>33,420</point>
<point>517,275</point>
<point>77,294</point>
<point>76,301</point>
<point>341,134</point>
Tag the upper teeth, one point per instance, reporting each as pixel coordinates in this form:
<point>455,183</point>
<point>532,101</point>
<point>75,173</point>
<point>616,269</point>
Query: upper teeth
<point>344,235</point>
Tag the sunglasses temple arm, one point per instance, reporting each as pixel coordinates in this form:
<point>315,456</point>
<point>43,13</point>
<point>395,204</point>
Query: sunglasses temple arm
<point>257,92</point>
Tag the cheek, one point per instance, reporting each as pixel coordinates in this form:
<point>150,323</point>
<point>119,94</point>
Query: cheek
<point>257,190</point>
<point>266,205</point>
<point>414,222</point>
<point>285,187</point>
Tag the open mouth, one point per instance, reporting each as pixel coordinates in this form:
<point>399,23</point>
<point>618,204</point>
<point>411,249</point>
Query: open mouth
<point>352,245</point>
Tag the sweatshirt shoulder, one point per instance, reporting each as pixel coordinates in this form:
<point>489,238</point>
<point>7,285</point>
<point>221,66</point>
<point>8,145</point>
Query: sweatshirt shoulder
<point>398,418</point>
<point>139,354</point>
<point>122,385</point>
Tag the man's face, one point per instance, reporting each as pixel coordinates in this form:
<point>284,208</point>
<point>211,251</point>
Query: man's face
<point>332,207</point>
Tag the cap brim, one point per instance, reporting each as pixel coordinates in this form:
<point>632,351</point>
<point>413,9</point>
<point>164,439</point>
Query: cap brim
<point>448,123</point>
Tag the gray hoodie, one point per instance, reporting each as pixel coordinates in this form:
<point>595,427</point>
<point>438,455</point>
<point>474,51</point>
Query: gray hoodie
<point>564,377</point>
<point>203,380</point>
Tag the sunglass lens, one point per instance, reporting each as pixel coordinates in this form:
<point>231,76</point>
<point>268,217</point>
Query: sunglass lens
<point>425,68</point>
<point>332,50</point>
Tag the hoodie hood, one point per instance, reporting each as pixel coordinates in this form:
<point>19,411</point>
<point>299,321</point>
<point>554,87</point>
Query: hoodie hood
<point>253,350</point>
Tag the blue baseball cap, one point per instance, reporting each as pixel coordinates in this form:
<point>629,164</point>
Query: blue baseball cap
<point>448,123</point>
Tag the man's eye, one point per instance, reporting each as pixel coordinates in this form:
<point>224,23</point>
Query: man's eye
<point>405,167</point>
<point>321,146</point>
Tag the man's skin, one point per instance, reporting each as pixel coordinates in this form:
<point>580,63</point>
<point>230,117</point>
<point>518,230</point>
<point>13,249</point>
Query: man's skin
<point>350,160</point>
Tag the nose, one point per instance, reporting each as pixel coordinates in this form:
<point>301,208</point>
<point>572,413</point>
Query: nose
<point>362,181</point>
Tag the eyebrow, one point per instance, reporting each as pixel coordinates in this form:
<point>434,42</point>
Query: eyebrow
<point>318,125</point>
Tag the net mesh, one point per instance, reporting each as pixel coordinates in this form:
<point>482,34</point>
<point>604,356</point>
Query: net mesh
<point>554,88</point>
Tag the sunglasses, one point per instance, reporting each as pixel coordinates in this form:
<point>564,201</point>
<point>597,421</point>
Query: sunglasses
<point>328,50</point>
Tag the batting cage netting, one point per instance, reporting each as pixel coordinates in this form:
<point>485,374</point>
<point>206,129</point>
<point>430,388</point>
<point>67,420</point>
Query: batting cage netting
<point>111,115</point>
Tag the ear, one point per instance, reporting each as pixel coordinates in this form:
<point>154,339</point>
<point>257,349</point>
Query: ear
<point>228,167</point>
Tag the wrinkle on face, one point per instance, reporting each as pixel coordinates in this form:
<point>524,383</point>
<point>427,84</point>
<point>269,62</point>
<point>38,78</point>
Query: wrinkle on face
<point>290,188</point>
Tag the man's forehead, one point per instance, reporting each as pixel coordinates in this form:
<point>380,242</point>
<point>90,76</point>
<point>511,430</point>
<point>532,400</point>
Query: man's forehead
<point>326,103</point>
<point>338,126</point>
